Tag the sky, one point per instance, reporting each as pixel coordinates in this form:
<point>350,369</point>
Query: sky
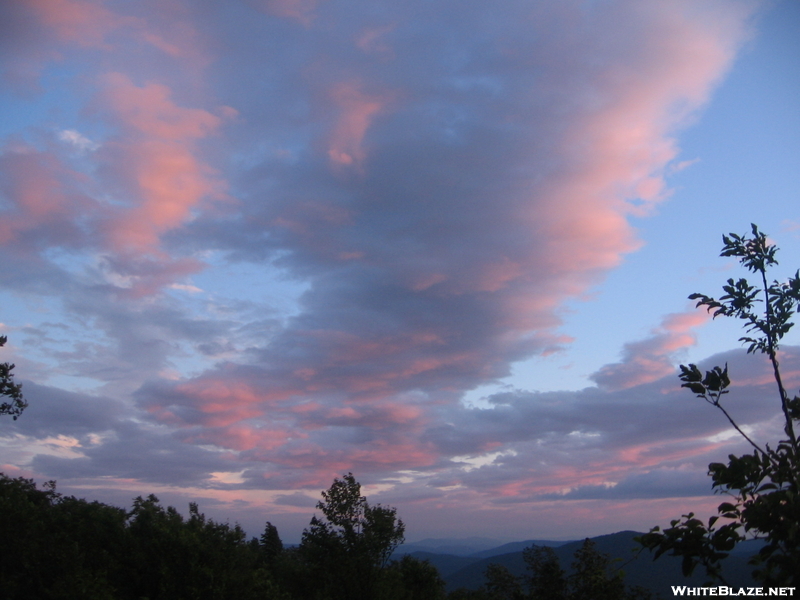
<point>251,246</point>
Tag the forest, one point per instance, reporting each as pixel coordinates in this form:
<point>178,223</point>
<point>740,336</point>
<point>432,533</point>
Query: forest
<point>62,547</point>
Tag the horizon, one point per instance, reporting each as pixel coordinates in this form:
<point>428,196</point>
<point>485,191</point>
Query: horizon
<point>251,247</point>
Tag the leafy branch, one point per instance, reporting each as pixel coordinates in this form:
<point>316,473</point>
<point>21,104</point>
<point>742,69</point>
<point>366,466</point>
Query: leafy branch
<point>9,389</point>
<point>780,302</point>
<point>764,485</point>
<point>711,388</point>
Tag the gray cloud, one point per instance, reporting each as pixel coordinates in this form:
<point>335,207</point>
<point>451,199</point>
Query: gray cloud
<point>134,452</point>
<point>652,484</point>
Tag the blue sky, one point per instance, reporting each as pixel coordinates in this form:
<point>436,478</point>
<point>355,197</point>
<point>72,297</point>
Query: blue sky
<point>251,247</point>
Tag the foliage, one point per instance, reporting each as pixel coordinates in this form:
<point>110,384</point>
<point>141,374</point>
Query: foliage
<point>56,547</point>
<point>547,579</point>
<point>358,528</point>
<point>9,389</point>
<point>592,577</point>
<point>194,558</point>
<point>501,584</point>
<point>412,579</point>
<point>350,548</point>
<point>764,485</point>
<point>271,544</point>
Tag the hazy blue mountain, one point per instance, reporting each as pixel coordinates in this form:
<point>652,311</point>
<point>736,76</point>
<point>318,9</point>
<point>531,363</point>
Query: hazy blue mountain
<point>749,547</point>
<point>456,547</point>
<point>472,575</point>
<point>517,547</point>
<point>639,567</point>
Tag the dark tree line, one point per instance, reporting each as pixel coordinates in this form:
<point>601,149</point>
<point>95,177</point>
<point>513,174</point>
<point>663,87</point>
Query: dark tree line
<point>593,576</point>
<point>61,547</point>
<point>56,546</point>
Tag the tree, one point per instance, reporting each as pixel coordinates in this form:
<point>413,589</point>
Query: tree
<point>501,583</point>
<point>592,578</point>
<point>9,389</point>
<point>764,485</point>
<point>271,544</point>
<point>168,556</point>
<point>547,580</point>
<point>351,547</point>
<point>412,579</point>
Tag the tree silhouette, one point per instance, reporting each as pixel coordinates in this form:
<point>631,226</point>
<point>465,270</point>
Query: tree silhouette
<point>9,389</point>
<point>352,545</point>
<point>547,580</point>
<point>764,485</point>
<point>271,544</point>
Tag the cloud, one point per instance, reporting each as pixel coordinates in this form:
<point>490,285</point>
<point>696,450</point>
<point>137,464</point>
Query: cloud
<point>131,455</point>
<point>530,449</point>
<point>357,111</point>
<point>154,161</point>
<point>44,201</point>
<point>84,22</point>
<point>303,11</point>
<point>301,500</point>
<point>437,179</point>
<point>81,142</point>
<point>448,258</point>
<point>52,411</point>
<point>653,357</point>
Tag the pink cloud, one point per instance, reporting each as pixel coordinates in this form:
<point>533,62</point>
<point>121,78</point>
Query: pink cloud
<point>171,29</point>
<point>617,148</point>
<point>156,161</point>
<point>149,110</point>
<point>356,112</point>
<point>45,197</point>
<point>647,455</point>
<point>85,22</point>
<point>651,359</point>
<point>371,40</point>
<point>90,23</point>
<point>240,438</point>
<point>151,166</point>
<point>476,213</point>
<point>215,402</point>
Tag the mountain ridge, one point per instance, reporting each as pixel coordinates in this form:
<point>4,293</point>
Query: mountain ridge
<point>468,571</point>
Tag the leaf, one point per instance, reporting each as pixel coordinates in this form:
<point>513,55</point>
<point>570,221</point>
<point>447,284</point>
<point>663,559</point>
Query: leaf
<point>697,388</point>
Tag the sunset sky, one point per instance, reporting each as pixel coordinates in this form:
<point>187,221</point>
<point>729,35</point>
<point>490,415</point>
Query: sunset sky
<point>249,246</point>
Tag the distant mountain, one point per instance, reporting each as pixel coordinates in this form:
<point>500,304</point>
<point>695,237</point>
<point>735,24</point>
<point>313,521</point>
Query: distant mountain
<point>517,547</point>
<point>638,566</point>
<point>456,547</point>
<point>750,547</point>
<point>472,576</point>
<point>476,547</point>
